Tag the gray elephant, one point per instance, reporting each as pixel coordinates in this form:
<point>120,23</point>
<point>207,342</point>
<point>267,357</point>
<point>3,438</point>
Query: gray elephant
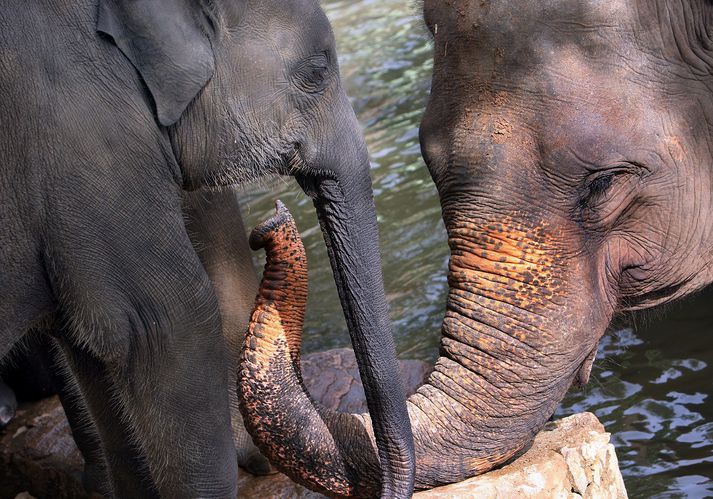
<point>113,110</point>
<point>571,143</point>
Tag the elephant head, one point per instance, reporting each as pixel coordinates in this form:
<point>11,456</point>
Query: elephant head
<point>246,89</point>
<point>571,146</point>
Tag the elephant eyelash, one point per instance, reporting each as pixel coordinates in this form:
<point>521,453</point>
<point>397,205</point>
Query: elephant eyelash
<point>599,186</point>
<point>594,189</point>
<point>599,183</point>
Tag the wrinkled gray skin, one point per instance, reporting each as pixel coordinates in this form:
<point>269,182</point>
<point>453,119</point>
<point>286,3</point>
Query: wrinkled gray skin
<point>114,109</point>
<point>217,233</point>
<point>571,143</point>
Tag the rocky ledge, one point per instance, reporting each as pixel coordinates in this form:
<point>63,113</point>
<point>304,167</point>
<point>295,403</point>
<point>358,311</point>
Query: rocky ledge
<point>570,458</point>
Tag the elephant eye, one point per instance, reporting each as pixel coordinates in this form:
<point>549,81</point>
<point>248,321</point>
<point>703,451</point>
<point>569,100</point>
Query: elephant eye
<point>609,189</point>
<point>311,74</point>
<point>595,189</point>
<point>599,186</point>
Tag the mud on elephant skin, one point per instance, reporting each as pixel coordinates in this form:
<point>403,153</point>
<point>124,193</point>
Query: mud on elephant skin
<point>118,108</point>
<point>571,146</point>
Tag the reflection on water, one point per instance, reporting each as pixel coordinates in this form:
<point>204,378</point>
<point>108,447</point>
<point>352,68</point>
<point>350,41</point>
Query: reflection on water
<point>651,385</point>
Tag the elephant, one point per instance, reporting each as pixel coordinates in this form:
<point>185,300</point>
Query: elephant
<point>115,109</point>
<point>571,145</point>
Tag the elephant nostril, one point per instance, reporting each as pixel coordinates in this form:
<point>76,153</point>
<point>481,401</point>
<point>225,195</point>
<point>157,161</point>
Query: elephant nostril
<point>265,232</point>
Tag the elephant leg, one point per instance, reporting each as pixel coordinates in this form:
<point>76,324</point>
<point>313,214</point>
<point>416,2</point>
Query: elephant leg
<point>8,404</point>
<point>162,412</point>
<point>158,423</point>
<point>39,369</point>
<point>145,337</point>
<point>95,477</point>
<point>216,229</point>
<point>114,467</point>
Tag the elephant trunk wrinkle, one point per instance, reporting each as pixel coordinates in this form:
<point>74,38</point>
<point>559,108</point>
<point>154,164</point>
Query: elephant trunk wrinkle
<point>284,281</point>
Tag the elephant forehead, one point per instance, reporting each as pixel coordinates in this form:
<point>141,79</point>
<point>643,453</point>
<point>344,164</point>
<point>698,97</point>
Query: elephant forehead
<point>563,101</point>
<point>485,45</point>
<point>521,37</point>
<point>295,28</point>
<point>521,18</point>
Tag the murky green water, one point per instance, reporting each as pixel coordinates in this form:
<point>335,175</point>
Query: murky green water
<point>652,386</point>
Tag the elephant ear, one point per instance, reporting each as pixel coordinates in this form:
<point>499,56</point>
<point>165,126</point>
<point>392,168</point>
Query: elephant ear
<point>166,43</point>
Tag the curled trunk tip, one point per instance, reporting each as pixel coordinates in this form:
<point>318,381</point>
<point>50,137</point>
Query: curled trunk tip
<point>267,230</point>
<point>282,295</point>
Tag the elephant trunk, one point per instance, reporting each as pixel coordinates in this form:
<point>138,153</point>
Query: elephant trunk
<point>273,399</point>
<point>505,364</point>
<point>333,167</point>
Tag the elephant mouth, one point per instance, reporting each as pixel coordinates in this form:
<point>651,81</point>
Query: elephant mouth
<point>308,178</point>
<point>585,370</point>
<point>506,361</point>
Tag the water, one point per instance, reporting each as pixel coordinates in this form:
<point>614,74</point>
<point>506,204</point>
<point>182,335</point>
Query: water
<point>652,383</point>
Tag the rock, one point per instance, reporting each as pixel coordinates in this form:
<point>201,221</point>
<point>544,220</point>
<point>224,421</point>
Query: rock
<point>38,456</point>
<point>332,377</point>
<point>570,458</point>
